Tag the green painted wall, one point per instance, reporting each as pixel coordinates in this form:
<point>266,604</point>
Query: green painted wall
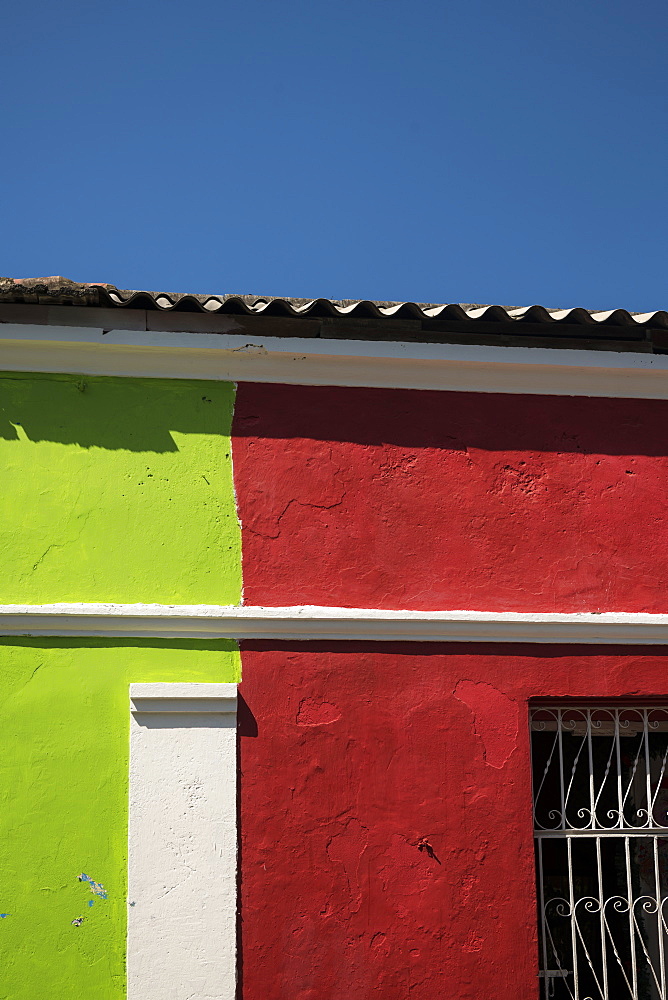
<point>113,490</point>
<point>64,723</point>
<point>116,490</point>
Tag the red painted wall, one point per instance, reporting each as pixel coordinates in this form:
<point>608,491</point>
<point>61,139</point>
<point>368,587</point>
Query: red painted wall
<point>387,843</point>
<point>431,500</point>
<point>353,756</point>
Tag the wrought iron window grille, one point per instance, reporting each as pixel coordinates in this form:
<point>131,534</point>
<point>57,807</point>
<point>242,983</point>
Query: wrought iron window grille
<point>601,831</point>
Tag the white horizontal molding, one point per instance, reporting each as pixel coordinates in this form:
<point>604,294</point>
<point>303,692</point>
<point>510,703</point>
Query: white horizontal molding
<point>312,622</point>
<point>206,699</point>
<point>318,361</point>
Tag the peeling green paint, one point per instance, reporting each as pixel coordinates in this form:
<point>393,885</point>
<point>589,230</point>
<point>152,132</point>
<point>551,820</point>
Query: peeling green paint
<point>117,490</point>
<point>64,720</point>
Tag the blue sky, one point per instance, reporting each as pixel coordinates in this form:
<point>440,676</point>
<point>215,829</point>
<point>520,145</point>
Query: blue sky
<point>466,151</point>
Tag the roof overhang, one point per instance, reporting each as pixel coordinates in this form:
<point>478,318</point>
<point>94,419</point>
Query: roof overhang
<point>234,356</point>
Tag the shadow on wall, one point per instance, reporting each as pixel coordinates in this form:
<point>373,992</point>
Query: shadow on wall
<point>111,413</point>
<point>454,421</point>
<point>94,642</point>
<point>512,650</point>
<point>246,726</point>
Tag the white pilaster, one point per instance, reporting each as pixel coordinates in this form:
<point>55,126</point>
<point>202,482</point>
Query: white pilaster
<point>182,842</point>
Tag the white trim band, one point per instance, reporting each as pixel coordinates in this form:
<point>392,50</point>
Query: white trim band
<point>312,622</point>
<point>182,842</point>
<point>318,361</point>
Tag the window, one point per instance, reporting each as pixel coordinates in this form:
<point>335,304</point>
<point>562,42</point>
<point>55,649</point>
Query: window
<point>601,833</point>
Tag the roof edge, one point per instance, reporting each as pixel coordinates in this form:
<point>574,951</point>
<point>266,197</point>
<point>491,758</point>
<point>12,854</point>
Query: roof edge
<point>57,290</point>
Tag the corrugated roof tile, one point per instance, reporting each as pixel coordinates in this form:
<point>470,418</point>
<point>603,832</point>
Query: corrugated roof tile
<point>59,290</point>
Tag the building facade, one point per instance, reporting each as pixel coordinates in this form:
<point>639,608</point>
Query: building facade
<point>430,542</point>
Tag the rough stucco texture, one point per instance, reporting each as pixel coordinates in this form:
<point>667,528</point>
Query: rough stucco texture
<point>116,490</point>
<point>431,500</point>
<point>386,813</point>
<point>64,720</point>
<point>113,490</point>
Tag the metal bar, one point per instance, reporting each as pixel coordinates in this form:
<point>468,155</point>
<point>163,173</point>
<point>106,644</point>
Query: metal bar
<point>541,727</point>
<point>634,771</point>
<point>572,781</point>
<point>603,781</point>
<point>620,798</point>
<point>659,783</point>
<point>561,770</point>
<point>574,940</point>
<point>601,904</point>
<point>541,903</point>
<point>629,883</point>
<point>648,768</point>
<point>659,924</point>
<point>590,754</point>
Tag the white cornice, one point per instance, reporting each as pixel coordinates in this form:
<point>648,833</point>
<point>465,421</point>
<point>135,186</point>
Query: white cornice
<point>216,622</point>
<point>318,361</point>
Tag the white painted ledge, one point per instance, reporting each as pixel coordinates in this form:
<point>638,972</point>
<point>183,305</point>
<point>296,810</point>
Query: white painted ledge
<point>206,699</point>
<point>311,622</point>
<point>182,842</point>
<point>318,361</point>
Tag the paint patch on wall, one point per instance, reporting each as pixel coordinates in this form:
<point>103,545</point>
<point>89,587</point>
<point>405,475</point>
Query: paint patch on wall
<point>346,848</point>
<point>495,719</point>
<point>404,872</point>
<point>316,713</point>
<point>95,887</point>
